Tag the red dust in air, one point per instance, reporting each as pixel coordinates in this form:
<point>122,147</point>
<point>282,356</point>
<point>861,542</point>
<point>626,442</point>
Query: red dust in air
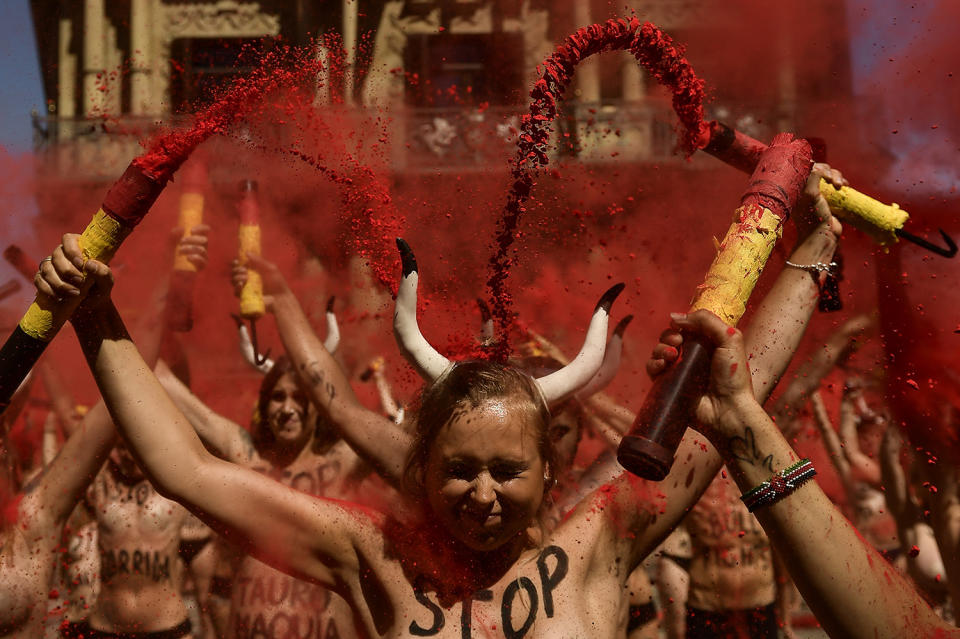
<point>285,66</point>
<point>919,345</point>
<point>656,52</point>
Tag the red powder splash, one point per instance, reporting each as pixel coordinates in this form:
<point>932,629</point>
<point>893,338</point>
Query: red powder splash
<point>285,66</point>
<point>657,53</point>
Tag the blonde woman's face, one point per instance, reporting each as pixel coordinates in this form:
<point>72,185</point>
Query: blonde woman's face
<point>484,476</point>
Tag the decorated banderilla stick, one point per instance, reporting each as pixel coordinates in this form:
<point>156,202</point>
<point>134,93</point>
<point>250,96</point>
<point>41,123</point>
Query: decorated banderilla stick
<point>127,201</point>
<point>781,172</point>
<point>252,307</point>
<point>183,279</point>
<point>882,222</point>
<point>9,288</point>
<point>19,260</point>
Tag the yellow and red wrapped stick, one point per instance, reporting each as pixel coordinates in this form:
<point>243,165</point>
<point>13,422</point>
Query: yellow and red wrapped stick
<point>669,408</point>
<point>251,295</point>
<point>883,222</point>
<point>125,204</point>
<point>183,279</point>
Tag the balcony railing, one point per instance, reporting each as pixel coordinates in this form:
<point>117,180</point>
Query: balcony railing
<point>421,140</point>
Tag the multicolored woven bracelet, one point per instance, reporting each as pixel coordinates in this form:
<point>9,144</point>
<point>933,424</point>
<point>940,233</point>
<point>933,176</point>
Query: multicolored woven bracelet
<point>782,484</point>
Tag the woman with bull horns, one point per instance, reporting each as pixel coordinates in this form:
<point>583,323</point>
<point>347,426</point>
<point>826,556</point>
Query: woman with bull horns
<point>469,555</point>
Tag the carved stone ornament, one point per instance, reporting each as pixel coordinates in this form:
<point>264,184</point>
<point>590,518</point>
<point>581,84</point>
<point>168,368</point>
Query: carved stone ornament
<point>222,19</point>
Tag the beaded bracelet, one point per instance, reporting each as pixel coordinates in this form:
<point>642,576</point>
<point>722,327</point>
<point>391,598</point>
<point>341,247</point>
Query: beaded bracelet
<point>779,486</point>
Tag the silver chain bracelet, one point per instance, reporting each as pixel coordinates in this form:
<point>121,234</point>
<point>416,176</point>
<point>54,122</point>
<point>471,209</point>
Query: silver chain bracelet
<point>819,267</point>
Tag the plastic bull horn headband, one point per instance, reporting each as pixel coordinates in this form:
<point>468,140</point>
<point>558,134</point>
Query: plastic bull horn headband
<point>611,355</point>
<point>125,204</point>
<point>249,354</point>
<point>648,449</point>
<point>430,364</point>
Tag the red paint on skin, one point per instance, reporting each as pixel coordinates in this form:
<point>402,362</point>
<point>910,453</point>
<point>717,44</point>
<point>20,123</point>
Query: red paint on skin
<point>733,368</point>
<point>731,331</point>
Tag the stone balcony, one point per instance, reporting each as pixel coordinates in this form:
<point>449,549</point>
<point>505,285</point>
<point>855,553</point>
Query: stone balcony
<point>422,140</point>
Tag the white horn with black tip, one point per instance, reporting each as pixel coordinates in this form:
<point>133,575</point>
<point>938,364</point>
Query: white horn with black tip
<point>246,348</point>
<point>571,378</point>
<point>333,329</point>
<point>429,363</point>
<point>611,361</point>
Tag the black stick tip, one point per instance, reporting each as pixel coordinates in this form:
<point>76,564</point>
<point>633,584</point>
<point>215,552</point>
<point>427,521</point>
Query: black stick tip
<point>622,325</point>
<point>330,302</point>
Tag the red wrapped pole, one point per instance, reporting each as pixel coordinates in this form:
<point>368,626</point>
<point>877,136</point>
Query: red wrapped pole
<point>125,204</point>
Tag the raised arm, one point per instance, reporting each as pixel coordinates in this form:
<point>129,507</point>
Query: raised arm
<point>851,590</point>
<point>924,561</point>
<point>862,467</point>
<point>837,348</point>
<point>52,496</point>
<point>375,438</point>
<point>306,537</point>
<point>62,402</point>
<point>945,510</point>
<point>226,437</point>
<point>831,441</point>
<point>771,339</point>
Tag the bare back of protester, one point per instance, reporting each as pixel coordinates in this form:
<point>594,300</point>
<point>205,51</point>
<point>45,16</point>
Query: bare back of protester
<point>288,445</point>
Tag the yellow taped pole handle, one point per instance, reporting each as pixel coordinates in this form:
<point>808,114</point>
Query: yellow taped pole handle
<point>183,279</point>
<point>99,241</point>
<point>648,448</point>
<point>878,220</point>
<point>251,296</point>
<point>125,204</point>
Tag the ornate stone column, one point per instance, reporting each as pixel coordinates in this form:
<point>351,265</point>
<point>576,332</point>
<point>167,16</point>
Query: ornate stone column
<point>94,62</point>
<point>587,78</point>
<point>66,73</point>
<point>141,52</point>
<point>350,47</point>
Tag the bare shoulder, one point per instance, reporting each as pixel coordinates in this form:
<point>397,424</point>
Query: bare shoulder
<point>607,522</point>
